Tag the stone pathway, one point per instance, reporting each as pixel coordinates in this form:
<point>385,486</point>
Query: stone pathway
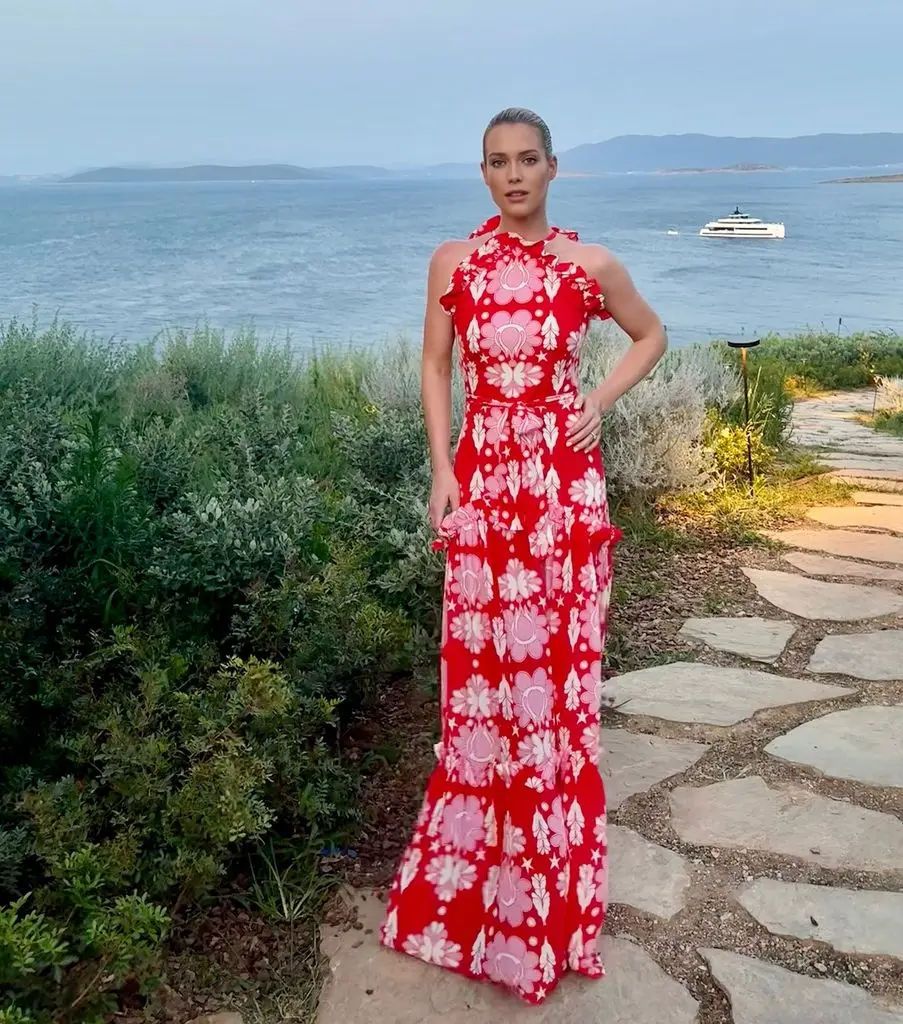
<point>756,816</point>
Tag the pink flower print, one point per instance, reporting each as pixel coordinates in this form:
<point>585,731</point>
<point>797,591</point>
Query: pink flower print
<point>472,629</point>
<point>476,700</point>
<point>510,335</point>
<point>490,887</point>
<point>449,875</point>
<point>589,489</point>
<point>527,429</point>
<point>534,476</point>
<point>466,522</point>
<point>518,583</point>
<point>602,886</point>
<point>554,574</point>
<point>434,946</point>
<point>514,281</point>
<point>575,340</point>
<point>462,824</point>
<point>589,578</point>
<point>558,827</point>
<point>513,897</point>
<point>591,686</point>
<point>513,379</point>
<point>590,741</point>
<point>564,881</point>
<point>478,748</point>
<point>601,831</point>
<point>498,428</point>
<point>533,698</point>
<point>469,580</point>
<point>591,624</point>
<point>514,841</point>
<point>526,632</point>
<point>509,962</point>
<point>497,481</point>
<point>538,750</point>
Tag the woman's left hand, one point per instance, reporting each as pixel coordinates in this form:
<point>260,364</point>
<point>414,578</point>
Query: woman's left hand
<point>586,430</point>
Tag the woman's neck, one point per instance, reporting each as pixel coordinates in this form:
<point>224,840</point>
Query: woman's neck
<point>531,229</point>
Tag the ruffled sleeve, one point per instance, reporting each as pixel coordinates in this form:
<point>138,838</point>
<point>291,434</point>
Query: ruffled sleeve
<point>487,226</point>
<point>449,298</point>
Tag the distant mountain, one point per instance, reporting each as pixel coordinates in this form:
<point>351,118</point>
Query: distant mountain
<point>223,172</point>
<point>708,152</point>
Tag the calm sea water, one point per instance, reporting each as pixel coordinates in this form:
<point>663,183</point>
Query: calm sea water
<point>345,262</point>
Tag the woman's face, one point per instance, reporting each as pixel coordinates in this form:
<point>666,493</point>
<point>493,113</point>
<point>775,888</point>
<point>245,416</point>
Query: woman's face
<point>517,170</point>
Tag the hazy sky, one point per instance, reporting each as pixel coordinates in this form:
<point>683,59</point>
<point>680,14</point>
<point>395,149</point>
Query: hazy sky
<point>91,82</point>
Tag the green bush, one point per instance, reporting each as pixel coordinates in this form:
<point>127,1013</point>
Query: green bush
<point>204,572</point>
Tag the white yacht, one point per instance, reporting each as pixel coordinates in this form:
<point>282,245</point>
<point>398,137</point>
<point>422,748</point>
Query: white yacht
<point>741,225</point>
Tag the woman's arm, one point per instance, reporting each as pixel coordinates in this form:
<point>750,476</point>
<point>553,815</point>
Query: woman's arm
<point>436,372</point>
<point>635,317</point>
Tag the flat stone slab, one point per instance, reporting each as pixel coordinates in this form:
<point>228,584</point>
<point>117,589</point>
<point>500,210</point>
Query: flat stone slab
<point>862,744</point>
<point>893,483</point>
<point>873,547</point>
<point>370,983</point>
<point>877,498</point>
<point>815,599</point>
<point>876,517</point>
<point>761,993</point>
<point>876,656</point>
<point>645,876</point>
<point>789,821</point>
<point>755,638</point>
<point>887,466</point>
<point>690,692</point>
<point>849,920</point>
<point>827,565</point>
<point>632,762</point>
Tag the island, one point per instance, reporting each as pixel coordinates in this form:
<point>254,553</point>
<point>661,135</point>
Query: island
<point>867,180</point>
<point>221,172</point>
<point>733,169</point>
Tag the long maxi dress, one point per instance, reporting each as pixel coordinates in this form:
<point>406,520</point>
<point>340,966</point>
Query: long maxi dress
<point>505,875</point>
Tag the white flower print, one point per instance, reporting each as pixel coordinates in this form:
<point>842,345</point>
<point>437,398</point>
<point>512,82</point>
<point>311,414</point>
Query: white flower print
<point>476,700</point>
<point>586,886</point>
<point>534,475</point>
<point>518,583</point>
<point>477,953</point>
<point>472,628</point>
<point>513,379</point>
<point>514,842</point>
<point>541,834</point>
<point>390,928</point>
<point>434,946</point>
<point>572,689</point>
<point>490,887</point>
<point>462,823</point>
<point>590,741</point>
<point>449,874</point>
<point>589,489</point>
<point>547,962</point>
<point>564,881</point>
<point>589,578</point>
<point>576,821</point>
<point>492,830</point>
<point>409,867</point>
<point>537,749</point>
<point>506,700</point>
<point>542,900</point>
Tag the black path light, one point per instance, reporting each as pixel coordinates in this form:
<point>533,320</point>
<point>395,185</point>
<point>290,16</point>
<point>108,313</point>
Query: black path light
<point>744,347</point>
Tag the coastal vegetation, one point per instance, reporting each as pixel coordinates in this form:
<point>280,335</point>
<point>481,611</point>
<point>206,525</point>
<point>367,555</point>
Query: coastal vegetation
<point>216,575</point>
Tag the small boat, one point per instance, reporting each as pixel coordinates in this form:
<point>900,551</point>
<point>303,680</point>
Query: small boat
<point>741,225</point>
<point>671,231</point>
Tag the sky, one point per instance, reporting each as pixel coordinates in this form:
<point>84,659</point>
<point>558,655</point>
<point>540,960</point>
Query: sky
<point>408,82</point>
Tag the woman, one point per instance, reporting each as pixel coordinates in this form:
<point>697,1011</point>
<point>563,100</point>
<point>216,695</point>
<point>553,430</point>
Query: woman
<point>505,877</point>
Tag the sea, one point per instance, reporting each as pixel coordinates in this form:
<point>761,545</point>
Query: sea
<point>344,263</point>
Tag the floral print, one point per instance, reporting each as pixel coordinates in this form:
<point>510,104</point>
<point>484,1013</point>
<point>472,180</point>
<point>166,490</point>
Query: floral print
<point>505,875</point>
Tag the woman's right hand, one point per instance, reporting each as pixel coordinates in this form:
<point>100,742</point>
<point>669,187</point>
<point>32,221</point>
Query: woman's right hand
<point>445,492</point>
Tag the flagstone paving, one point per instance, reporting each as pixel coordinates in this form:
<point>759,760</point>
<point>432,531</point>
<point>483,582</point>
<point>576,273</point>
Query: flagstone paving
<point>875,656</point>
<point>756,878</point>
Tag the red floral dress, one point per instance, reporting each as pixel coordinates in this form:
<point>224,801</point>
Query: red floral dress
<point>505,876</point>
